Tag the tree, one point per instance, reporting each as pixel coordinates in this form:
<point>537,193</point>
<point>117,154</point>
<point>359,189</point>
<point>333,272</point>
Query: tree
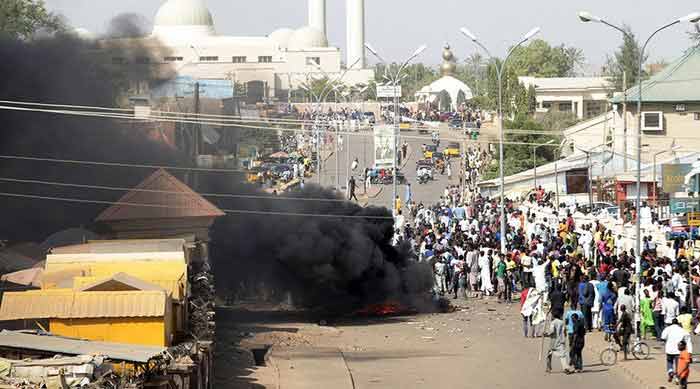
<point>575,59</point>
<point>416,76</point>
<point>625,60</point>
<point>22,18</point>
<point>540,59</point>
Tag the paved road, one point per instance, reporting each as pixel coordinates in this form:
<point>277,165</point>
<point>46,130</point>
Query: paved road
<point>480,346</point>
<point>361,146</point>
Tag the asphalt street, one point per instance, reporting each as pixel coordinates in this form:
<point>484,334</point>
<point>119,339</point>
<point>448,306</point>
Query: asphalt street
<point>361,146</point>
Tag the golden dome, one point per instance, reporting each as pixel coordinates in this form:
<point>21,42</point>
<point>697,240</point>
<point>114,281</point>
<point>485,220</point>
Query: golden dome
<point>448,66</point>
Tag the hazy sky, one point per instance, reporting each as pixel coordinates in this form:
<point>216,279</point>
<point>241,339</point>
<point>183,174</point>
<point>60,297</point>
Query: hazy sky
<point>397,27</point>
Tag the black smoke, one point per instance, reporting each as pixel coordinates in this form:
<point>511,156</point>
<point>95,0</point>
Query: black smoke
<point>332,263</point>
<point>128,25</point>
<point>63,69</point>
<point>325,262</point>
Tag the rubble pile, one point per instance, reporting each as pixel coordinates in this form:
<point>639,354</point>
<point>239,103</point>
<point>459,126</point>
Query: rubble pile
<point>201,310</point>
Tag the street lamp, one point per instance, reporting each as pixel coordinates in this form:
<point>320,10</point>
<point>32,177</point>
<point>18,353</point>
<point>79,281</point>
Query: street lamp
<point>499,72</point>
<point>395,80</point>
<point>692,18</point>
<point>674,148</point>
<point>534,157</point>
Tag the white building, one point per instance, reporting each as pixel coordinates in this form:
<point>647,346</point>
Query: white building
<point>184,37</point>
<point>586,97</point>
<point>448,92</point>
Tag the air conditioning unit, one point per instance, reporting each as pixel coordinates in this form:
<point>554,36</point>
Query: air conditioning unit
<point>652,121</point>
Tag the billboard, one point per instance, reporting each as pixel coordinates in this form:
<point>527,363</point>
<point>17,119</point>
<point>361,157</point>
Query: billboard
<point>384,139</point>
<point>683,205</point>
<point>674,177</point>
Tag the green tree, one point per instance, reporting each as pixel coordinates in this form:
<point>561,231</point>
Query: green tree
<point>415,77</point>
<point>625,60</point>
<point>540,59</point>
<point>22,18</point>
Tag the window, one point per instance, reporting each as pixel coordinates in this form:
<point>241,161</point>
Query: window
<point>265,59</point>
<point>208,59</point>
<point>565,107</point>
<point>240,59</point>
<point>652,121</point>
<point>696,115</point>
<point>143,60</point>
<point>313,60</point>
<point>173,59</point>
<point>119,61</point>
<point>546,105</point>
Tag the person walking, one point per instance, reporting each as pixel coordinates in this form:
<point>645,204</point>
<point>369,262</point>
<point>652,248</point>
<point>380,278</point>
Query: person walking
<point>586,301</point>
<point>351,189</point>
<point>557,344</point>
<point>673,335</point>
<point>578,342</point>
<point>684,360</point>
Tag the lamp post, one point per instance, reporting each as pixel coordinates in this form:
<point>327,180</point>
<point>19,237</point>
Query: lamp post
<point>534,157</point>
<point>395,80</point>
<point>674,148</point>
<point>692,18</point>
<point>499,73</point>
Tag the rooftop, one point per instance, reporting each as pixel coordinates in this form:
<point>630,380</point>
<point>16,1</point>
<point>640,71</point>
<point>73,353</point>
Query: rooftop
<point>566,83</point>
<point>67,346</point>
<point>160,196</point>
<point>677,82</point>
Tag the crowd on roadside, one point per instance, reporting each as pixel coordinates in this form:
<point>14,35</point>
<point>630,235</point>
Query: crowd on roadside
<point>572,279</point>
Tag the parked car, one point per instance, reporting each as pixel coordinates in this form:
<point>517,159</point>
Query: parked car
<point>596,207</point>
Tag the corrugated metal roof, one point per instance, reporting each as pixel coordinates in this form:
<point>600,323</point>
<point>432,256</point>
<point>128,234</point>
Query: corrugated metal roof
<point>185,203</point>
<point>123,246</point>
<point>62,304</point>
<point>678,82</point>
<point>559,83</point>
<point>67,346</point>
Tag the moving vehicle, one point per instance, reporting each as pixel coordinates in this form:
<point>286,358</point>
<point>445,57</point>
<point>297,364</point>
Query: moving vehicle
<point>456,124</point>
<point>429,150</point>
<point>453,149</point>
<point>427,166</point>
<point>596,207</point>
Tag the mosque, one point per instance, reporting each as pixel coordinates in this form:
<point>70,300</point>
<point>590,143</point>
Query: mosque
<point>184,38</point>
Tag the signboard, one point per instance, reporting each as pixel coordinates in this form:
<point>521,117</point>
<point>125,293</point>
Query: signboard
<point>674,177</point>
<point>683,205</point>
<point>388,90</point>
<point>384,139</point>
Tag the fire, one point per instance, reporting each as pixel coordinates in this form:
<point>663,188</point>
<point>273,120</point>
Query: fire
<point>383,309</point>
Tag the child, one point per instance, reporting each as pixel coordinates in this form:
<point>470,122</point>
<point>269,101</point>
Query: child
<point>683,365</point>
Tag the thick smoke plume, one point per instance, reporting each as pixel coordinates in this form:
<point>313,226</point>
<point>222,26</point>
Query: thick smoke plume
<point>335,264</point>
<point>327,262</point>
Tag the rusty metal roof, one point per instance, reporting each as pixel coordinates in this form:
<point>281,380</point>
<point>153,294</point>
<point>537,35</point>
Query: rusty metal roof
<point>157,202</point>
<point>68,346</point>
<point>68,304</point>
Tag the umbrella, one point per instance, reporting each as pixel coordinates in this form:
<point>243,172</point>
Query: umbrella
<point>279,154</point>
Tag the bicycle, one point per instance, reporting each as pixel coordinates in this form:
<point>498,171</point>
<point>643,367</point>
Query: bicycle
<point>608,357</point>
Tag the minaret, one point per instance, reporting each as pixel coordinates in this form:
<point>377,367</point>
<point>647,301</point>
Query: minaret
<point>356,33</point>
<point>317,15</point>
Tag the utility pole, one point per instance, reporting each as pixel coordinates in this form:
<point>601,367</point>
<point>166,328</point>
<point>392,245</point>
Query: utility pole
<point>196,139</point>
<point>624,118</point>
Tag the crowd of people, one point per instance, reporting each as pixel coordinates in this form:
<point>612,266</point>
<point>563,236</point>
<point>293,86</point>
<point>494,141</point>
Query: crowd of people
<point>577,277</point>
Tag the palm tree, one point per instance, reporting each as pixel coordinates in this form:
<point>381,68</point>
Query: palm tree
<point>575,59</point>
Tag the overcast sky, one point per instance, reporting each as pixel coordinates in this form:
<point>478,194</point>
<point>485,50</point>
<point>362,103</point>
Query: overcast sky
<point>397,27</point>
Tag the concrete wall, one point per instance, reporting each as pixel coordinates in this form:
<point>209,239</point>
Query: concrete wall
<point>680,126</point>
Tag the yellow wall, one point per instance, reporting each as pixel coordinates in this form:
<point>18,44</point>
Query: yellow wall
<point>150,331</point>
<point>169,274</point>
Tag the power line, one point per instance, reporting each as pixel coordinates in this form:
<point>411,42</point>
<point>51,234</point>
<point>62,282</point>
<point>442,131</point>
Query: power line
<point>112,188</point>
<point>117,164</point>
<point>228,211</point>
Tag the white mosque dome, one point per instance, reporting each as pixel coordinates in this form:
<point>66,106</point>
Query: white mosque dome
<point>183,18</point>
<point>307,37</point>
<point>282,37</point>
